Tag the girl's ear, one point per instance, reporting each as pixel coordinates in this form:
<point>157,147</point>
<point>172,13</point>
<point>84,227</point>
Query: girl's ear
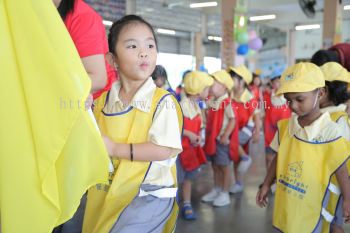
<point>111,60</point>
<point>322,92</point>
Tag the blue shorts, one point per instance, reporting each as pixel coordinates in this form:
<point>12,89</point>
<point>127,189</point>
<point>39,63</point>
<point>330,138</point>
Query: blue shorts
<point>269,150</point>
<point>144,214</point>
<point>222,155</point>
<point>182,174</point>
<point>245,134</point>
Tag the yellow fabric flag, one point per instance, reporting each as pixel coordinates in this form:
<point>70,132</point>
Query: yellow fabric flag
<point>50,150</point>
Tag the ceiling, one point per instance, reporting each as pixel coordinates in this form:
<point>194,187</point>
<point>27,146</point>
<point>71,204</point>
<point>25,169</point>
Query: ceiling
<point>288,12</point>
<point>177,15</point>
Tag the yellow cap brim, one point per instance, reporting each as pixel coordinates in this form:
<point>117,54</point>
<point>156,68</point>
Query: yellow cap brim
<point>296,88</point>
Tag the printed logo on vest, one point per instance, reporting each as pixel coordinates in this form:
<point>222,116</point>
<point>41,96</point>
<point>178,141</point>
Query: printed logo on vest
<point>291,181</point>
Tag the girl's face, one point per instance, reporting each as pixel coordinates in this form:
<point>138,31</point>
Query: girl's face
<point>204,94</point>
<point>238,84</point>
<point>256,81</point>
<point>276,84</point>
<point>217,89</point>
<point>136,52</point>
<point>304,103</point>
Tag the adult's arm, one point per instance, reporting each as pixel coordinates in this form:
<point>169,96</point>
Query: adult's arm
<point>96,69</point>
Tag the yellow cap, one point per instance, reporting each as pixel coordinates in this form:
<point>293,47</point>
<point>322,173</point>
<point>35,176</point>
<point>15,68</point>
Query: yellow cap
<point>196,81</point>
<point>243,71</point>
<point>258,71</point>
<point>301,77</point>
<point>224,78</point>
<point>333,71</point>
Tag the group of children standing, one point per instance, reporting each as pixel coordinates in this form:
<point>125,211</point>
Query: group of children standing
<point>145,129</point>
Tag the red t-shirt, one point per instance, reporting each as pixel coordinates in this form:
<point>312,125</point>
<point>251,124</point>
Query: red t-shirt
<point>89,36</point>
<point>343,50</point>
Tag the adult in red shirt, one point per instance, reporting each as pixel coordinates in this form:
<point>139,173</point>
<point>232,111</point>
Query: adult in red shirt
<point>88,34</point>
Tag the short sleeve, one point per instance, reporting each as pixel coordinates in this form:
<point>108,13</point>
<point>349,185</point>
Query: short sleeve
<point>88,33</point>
<point>165,129</point>
<point>275,143</point>
<point>229,112</point>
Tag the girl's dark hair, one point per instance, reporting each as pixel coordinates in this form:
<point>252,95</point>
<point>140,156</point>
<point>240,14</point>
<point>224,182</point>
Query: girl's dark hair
<point>323,56</point>
<point>159,71</point>
<point>65,7</point>
<point>118,25</point>
<point>275,78</point>
<point>235,75</point>
<point>338,92</point>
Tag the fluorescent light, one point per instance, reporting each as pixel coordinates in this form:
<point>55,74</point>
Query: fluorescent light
<point>215,38</point>
<point>241,21</point>
<point>262,17</point>
<point>203,4</point>
<point>347,7</point>
<point>307,27</point>
<point>166,31</point>
<point>107,23</point>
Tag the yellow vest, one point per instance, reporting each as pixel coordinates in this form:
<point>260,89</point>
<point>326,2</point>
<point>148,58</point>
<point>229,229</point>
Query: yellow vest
<point>303,174</point>
<point>334,186</point>
<point>335,116</point>
<point>106,203</point>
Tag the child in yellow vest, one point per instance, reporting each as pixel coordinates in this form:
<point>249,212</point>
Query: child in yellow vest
<point>220,125</point>
<point>142,125</point>
<point>337,81</point>
<point>333,102</point>
<point>310,149</point>
<point>196,87</point>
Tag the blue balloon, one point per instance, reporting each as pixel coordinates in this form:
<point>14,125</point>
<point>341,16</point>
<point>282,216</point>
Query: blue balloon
<point>243,49</point>
<point>202,68</point>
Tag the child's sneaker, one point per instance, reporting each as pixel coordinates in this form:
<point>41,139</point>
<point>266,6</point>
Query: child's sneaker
<point>244,164</point>
<point>209,197</point>
<point>222,199</point>
<point>236,188</point>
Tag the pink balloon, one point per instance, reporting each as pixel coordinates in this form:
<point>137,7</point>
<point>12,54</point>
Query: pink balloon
<point>255,44</point>
<point>252,35</point>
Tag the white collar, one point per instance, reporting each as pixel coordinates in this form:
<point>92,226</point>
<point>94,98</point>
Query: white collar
<point>142,100</point>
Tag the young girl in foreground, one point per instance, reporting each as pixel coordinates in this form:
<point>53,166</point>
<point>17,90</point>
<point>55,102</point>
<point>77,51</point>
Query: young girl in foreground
<point>142,125</point>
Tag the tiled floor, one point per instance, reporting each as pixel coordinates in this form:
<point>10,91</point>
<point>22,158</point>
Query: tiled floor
<point>242,215</point>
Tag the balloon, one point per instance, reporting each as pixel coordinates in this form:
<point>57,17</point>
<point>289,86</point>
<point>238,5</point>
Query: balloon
<point>251,52</point>
<point>242,38</point>
<point>243,49</point>
<point>202,68</point>
<point>252,35</point>
<point>255,44</point>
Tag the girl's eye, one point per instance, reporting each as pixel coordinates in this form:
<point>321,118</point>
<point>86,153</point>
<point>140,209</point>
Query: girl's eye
<point>151,46</point>
<point>131,47</point>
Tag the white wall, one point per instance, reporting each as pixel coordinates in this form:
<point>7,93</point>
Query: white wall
<point>307,43</point>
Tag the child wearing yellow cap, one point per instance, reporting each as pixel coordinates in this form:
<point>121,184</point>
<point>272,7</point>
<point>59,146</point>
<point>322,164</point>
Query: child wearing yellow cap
<point>310,150</point>
<point>218,144</point>
<point>276,109</point>
<point>196,87</point>
<point>336,94</point>
<point>248,122</point>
